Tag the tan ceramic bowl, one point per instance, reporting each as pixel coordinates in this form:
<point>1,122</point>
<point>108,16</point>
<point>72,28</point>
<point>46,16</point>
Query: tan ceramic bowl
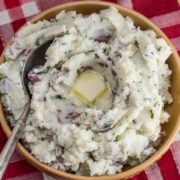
<point>171,128</point>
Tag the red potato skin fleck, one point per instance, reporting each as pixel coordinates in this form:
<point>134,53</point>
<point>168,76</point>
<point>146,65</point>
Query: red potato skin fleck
<point>33,77</point>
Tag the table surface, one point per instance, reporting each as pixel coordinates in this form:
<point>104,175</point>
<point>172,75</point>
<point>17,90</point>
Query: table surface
<point>164,13</point>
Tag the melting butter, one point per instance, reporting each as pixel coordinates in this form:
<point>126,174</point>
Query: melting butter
<point>90,85</point>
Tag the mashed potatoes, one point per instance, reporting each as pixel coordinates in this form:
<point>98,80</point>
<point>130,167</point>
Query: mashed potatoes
<point>112,131</point>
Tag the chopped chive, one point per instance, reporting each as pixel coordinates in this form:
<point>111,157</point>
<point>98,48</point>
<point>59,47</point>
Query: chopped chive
<point>58,96</point>
<point>159,48</point>
<point>136,43</point>
<point>1,76</point>
<point>96,55</point>
<point>108,125</point>
<point>151,114</point>
<point>134,121</point>
<point>155,104</point>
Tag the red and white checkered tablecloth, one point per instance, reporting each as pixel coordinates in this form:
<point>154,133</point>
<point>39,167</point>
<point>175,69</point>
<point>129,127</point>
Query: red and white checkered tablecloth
<point>164,13</point>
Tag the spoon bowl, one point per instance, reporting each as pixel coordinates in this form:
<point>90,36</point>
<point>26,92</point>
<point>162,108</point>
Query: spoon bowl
<point>37,58</point>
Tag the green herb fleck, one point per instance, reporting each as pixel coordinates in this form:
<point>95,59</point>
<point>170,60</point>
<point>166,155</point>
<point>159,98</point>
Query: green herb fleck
<point>159,48</point>
<point>105,80</point>
<point>51,163</point>
<point>58,96</point>
<point>79,71</point>
<point>96,55</point>
<point>134,121</point>
<point>155,104</point>
<point>118,137</point>
<point>39,41</point>
<point>30,123</point>
<point>1,76</point>
<point>66,70</point>
<point>136,43</point>
<point>151,114</point>
<point>108,125</point>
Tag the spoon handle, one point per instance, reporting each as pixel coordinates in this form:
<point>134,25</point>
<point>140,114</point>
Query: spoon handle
<point>13,140</point>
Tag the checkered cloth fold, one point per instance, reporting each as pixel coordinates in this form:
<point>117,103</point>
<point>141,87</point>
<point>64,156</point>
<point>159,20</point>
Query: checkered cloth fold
<point>164,13</point>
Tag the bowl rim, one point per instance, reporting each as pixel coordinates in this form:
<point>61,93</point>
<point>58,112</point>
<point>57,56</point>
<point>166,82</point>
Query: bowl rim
<point>125,174</point>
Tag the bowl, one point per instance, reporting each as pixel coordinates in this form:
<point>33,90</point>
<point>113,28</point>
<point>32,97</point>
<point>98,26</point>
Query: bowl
<point>171,128</point>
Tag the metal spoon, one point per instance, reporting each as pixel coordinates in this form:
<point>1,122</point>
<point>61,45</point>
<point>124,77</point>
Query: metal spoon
<point>36,58</point>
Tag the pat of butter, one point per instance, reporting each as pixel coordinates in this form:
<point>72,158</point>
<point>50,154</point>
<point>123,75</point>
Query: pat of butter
<point>90,85</point>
